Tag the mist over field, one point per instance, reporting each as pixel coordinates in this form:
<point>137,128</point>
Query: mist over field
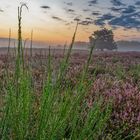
<point>123,46</point>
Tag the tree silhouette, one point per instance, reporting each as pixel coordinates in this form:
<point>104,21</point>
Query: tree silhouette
<point>103,39</point>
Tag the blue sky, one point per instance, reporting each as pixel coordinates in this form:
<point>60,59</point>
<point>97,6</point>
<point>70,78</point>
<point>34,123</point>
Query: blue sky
<point>54,20</point>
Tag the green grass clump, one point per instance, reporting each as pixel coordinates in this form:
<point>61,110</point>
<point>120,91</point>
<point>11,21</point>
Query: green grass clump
<point>120,72</point>
<point>61,113</point>
<point>135,73</point>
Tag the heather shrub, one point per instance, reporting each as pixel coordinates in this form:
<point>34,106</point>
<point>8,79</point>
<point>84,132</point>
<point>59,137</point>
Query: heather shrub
<point>125,117</point>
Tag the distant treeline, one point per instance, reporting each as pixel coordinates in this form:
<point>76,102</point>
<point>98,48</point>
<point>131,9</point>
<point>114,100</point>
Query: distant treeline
<point>128,43</point>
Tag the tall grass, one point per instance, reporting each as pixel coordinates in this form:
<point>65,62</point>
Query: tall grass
<point>61,110</point>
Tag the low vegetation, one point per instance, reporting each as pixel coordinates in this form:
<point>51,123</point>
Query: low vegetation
<point>68,96</point>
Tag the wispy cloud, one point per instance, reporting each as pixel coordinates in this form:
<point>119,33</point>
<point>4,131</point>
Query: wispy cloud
<point>77,19</point>
<point>116,9</point>
<point>99,22</point>
<point>137,3</point>
<point>86,22</point>
<point>102,19</point>
<point>58,18</point>
<point>86,10</point>
<point>95,13</point>
<point>92,2</point>
<point>69,3</point>
<point>45,7</point>
<point>129,9</point>
<point>1,10</point>
<point>127,21</point>
<point>70,10</point>
<point>88,18</point>
<point>117,3</point>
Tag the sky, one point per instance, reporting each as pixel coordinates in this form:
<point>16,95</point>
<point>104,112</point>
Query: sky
<point>54,21</point>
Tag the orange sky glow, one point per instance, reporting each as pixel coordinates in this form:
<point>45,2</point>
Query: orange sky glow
<point>53,23</point>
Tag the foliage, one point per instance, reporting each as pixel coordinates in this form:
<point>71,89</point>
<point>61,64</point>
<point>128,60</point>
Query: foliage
<point>60,111</point>
<point>103,39</point>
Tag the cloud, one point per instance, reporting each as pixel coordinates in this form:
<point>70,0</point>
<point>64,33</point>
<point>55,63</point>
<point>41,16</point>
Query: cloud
<point>86,22</point>
<point>127,21</point>
<point>117,3</point>
<point>124,10</point>
<point>129,9</point>
<point>67,24</point>
<point>86,10</point>
<point>101,20</point>
<point>45,7</point>
<point>137,3</point>
<point>93,2</point>
<point>77,19</point>
<point>107,16</point>
<point>58,18</point>
<point>1,10</point>
<point>70,10</point>
<point>69,3</point>
<point>96,13</point>
<point>128,17</point>
<point>88,18</point>
<point>114,9</point>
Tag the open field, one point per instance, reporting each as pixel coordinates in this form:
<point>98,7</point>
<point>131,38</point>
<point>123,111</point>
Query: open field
<point>113,76</point>
<point>88,89</point>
